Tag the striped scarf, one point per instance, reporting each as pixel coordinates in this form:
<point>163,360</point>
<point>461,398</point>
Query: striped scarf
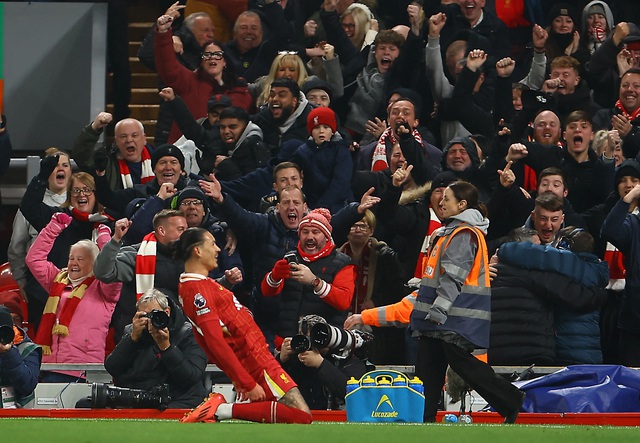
<point>146,174</point>
<point>146,264</point>
<point>379,161</point>
<point>617,272</point>
<point>50,323</point>
<point>624,112</point>
<point>97,218</point>
<point>434,223</point>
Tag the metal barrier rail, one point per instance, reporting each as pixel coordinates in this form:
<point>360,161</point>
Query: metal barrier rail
<point>95,372</point>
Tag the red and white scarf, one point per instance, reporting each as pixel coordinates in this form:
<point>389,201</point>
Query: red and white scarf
<point>434,223</point>
<point>313,257</point>
<point>624,112</point>
<point>98,219</point>
<point>379,161</point>
<point>146,264</point>
<point>146,173</point>
<point>50,323</point>
<point>617,271</point>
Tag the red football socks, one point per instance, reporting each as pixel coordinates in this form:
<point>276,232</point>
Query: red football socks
<point>270,412</point>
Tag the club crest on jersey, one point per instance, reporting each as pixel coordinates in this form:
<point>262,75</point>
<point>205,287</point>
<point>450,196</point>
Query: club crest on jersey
<point>199,301</point>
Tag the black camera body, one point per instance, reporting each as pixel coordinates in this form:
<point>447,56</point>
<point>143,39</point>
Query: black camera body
<point>7,334</point>
<point>108,396</point>
<point>291,257</point>
<point>159,319</point>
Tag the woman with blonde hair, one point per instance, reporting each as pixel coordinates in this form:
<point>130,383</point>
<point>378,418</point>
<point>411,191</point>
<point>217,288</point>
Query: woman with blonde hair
<point>359,25</point>
<point>287,64</point>
<point>54,194</point>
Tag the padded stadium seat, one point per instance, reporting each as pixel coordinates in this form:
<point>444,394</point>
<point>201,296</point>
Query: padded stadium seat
<point>10,296</point>
<point>7,283</point>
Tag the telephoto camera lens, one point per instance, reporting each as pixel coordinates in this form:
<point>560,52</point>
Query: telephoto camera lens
<point>107,396</point>
<point>326,336</point>
<point>6,334</point>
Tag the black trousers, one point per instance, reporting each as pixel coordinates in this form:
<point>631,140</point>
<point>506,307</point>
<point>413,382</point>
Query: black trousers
<point>629,348</point>
<point>433,357</point>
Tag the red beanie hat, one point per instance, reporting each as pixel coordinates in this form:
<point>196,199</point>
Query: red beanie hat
<point>318,218</point>
<point>322,116</point>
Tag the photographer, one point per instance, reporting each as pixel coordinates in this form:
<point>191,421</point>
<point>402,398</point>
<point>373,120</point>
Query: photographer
<point>159,347</point>
<point>322,372</point>
<point>19,363</point>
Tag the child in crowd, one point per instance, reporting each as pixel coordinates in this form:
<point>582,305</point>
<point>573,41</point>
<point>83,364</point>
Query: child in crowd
<point>326,163</point>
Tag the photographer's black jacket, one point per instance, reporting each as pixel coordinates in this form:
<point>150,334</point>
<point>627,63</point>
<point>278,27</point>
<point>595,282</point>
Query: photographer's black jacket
<point>325,384</point>
<point>142,366</point>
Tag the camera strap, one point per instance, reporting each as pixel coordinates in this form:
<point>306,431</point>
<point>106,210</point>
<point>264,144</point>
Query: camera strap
<point>8,400</point>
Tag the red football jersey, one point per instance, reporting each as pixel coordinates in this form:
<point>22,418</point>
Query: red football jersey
<point>225,329</point>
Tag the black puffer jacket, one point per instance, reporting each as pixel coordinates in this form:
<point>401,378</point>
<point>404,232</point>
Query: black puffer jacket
<point>142,366</point>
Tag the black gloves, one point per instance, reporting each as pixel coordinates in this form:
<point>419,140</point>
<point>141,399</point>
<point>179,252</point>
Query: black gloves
<point>47,166</point>
<point>100,160</point>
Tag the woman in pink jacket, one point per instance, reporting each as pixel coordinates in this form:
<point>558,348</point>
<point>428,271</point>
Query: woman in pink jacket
<point>215,75</point>
<point>75,322</point>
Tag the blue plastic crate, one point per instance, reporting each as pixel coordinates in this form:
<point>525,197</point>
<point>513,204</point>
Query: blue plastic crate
<point>381,402</point>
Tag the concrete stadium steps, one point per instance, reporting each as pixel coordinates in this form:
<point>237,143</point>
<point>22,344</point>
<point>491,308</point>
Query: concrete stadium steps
<point>144,104</point>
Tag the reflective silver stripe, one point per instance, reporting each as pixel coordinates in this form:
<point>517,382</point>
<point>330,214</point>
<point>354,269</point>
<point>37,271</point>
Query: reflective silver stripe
<point>470,313</point>
<point>422,306</point>
<point>456,271</point>
<point>382,320</point>
<point>444,303</point>
<point>429,282</point>
<point>477,290</point>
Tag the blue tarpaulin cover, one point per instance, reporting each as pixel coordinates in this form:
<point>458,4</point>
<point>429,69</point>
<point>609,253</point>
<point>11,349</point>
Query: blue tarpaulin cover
<point>584,388</point>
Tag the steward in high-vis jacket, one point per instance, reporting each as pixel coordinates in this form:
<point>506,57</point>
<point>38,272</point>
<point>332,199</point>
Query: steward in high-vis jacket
<point>452,312</point>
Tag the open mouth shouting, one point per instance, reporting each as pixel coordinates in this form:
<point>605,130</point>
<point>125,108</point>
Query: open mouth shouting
<point>276,109</point>
<point>168,177</point>
<point>311,246</point>
<point>61,177</point>
<point>229,138</point>
<point>83,204</point>
<point>74,271</point>
<point>386,62</point>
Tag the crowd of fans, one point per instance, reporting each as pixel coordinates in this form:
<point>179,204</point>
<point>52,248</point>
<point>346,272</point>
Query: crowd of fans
<point>316,146</point>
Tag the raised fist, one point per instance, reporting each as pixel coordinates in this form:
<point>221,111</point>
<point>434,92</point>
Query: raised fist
<point>62,218</point>
<point>47,166</point>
